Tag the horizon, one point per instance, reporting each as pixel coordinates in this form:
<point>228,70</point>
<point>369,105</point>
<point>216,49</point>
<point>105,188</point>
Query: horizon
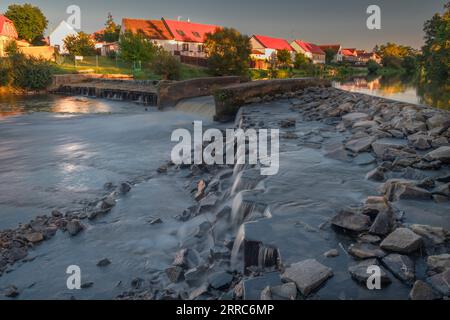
<point>322,22</point>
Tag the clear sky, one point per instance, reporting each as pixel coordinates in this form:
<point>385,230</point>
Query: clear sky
<point>319,21</point>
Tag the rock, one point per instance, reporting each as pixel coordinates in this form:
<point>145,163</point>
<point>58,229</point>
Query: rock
<point>87,285</point>
<point>34,237</point>
<point>107,204</point>
<point>436,235</point>
<point>439,263</point>
<point>57,214</point>
<point>15,254</point>
<point>174,273</point>
<point>383,224</point>
<point>287,123</point>
<point>351,221</point>
<point>374,205</point>
<point>351,118</point>
<point>155,221</point>
<point>180,259</point>
<point>364,159</point>
<point>195,274</point>
<point>103,263</point>
<point>422,291</point>
<point>360,144</point>
<point>251,288</point>
<point>286,291</point>
<point>369,238</point>
<point>398,189</point>
<point>338,153</point>
<point>441,282</point>
<point>364,124</point>
<point>427,183</point>
<point>359,272</point>
<point>438,120</point>
<point>218,253</point>
<point>202,229</point>
<point>365,251</point>
<point>220,280</point>
<point>331,253</point>
<point>203,289</point>
<point>74,227</point>
<point>124,187</point>
<point>402,240</point>
<point>376,174</point>
<point>308,275</point>
<point>401,267</point>
<point>208,203</point>
<point>442,154</point>
<point>201,186</point>
<point>224,213</point>
<point>12,292</point>
<point>380,146</point>
<point>162,169</point>
<point>443,190</point>
<point>440,142</point>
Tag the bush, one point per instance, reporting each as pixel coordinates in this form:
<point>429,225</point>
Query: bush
<point>26,73</point>
<point>135,47</point>
<point>372,66</point>
<point>410,64</point>
<point>5,73</point>
<point>80,44</point>
<point>166,66</point>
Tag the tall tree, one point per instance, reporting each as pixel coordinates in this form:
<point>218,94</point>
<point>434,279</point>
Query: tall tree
<point>135,47</point>
<point>228,52</point>
<point>29,21</point>
<point>436,51</point>
<point>112,30</point>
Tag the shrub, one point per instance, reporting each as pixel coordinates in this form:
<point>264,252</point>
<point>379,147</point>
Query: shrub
<point>166,66</point>
<point>372,66</point>
<point>28,73</point>
<point>5,73</point>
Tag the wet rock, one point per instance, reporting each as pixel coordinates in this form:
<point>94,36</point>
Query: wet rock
<point>287,123</point>
<point>440,142</point>
<point>436,235</point>
<point>381,146</point>
<point>251,288</point>
<point>220,280</point>
<point>103,263</point>
<point>439,263</point>
<point>359,272</point>
<point>420,141</point>
<point>402,240</point>
<point>401,267</point>
<point>440,282</point>
<point>195,274</point>
<point>287,291</point>
<point>34,237</point>
<point>198,292</point>
<point>180,259</point>
<point>443,190</point>
<point>352,221</point>
<point>57,214</point>
<point>338,153</point>
<point>331,253</point>
<point>174,273</point>
<point>427,183</point>
<point>351,118</point>
<point>74,227</point>
<point>202,229</point>
<point>162,169</point>
<point>224,213</point>
<point>398,189</point>
<point>365,251</point>
<point>308,275</point>
<point>124,187</point>
<point>218,253</point>
<point>369,238</point>
<point>441,154</point>
<point>436,121</point>
<point>87,285</point>
<point>266,294</point>
<point>422,291</point>
<point>383,224</point>
<point>364,159</point>
<point>155,221</point>
<point>107,204</point>
<point>373,205</point>
<point>201,186</point>
<point>12,292</point>
<point>376,174</point>
<point>364,124</point>
<point>15,254</point>
<point>208,202</point>
<point>439,199</point>
<point>360,144</point>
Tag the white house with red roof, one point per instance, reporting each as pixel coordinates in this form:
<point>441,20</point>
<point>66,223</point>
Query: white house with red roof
<point>310,50</point>
<point>265,48</point>
<point>7,33</point>
<point>335,49</point>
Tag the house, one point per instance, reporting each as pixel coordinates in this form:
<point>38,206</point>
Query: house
<point>56,38</point>
<point>7,33</point>
<point>265,48</point>
<point>335,49</point>
<point>310,50</point>
<point>349,55</point>
<point>154,30</point>
<point>364,57</point>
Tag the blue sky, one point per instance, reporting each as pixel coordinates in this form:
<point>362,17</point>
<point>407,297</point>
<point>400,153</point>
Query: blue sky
<point>319,21</point>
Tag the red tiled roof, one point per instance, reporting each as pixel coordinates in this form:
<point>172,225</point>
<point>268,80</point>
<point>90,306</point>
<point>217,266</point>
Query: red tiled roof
<point>273,43</point>
<point>349,52</point>
<point>189,31</point>
<point>334,47</point>
<point>309,47</point>
<point>7,27</point>
<point>153,29</point>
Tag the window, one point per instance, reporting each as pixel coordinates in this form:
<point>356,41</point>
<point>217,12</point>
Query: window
<point>201,48</point>
<point>185,46</point>
<point>181,33</point>
<point>196,34</point>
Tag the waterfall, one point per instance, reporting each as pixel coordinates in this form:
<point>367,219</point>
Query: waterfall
<point>202,105</point>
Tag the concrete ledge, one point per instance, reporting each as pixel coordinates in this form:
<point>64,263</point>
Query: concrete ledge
<point>64,79</point>
<point>231,98</point>
<point>170,92</point>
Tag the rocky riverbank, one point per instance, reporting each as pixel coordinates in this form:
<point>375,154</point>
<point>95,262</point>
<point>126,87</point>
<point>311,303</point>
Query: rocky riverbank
<point>363,181</point>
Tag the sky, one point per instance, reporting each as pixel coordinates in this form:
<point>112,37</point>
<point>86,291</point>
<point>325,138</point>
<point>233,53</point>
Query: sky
<point>317,21</point>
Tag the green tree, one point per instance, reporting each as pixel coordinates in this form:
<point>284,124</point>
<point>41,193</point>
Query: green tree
<point>111,32</point>
<point>136,47</point>
<point>372,66</point>
<point>436,51</point>
<point>228,52</point>
<point>29,21</point>
<point>410,64</point>
<point>329,55</point>
<point>284,58</point>
<point>301,61</point>
<point>166,65</point>
<point>80,44</point>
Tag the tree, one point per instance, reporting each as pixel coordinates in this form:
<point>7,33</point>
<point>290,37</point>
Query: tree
<point>284,58</point>
<point>80,44</point>
<point>228,52</point>
<point>410,64</point>
<point>372,66</point>
<point>436,51</point>
<point>329,56</point>
<point>166,65</point>
<point>301,61</point>
<point>136,47</point>
<point>29,21</point>
<point>111,32</point>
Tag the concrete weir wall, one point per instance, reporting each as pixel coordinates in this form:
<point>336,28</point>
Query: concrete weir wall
<point>170,92</point>
<point>229,99</point>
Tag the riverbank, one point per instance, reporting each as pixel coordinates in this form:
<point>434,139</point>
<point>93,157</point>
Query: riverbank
<point>240,233</point>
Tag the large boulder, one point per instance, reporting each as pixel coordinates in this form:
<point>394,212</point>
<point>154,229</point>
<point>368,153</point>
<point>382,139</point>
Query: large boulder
<point>442,154</point>
<point>352,221</point>
<point>351,118</point>
<point>439,263</point>
<point>308,275</point>
<point>422,291</point>
<point>398,189</point>
<point>401,267</point>
<point>436,235</point>
<point>365,251</point>
<point>359,271</point>
<point>438,120</point>
<point>382,145</point>
<point>402,240</point>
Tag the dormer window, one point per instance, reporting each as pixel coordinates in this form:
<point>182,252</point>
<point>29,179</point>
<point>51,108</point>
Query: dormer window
<point>181,33</point>
<point>196,34</point>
